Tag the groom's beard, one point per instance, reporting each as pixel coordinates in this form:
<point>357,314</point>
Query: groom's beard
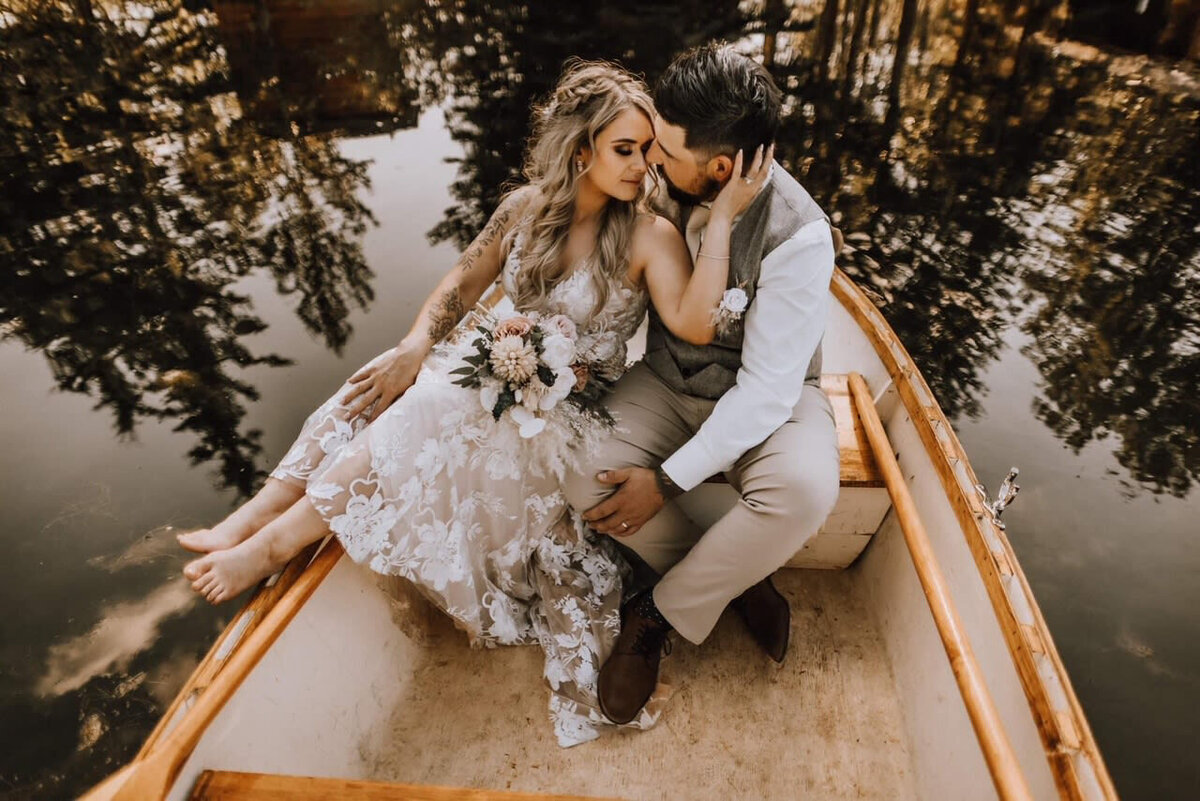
<point>710,189</point>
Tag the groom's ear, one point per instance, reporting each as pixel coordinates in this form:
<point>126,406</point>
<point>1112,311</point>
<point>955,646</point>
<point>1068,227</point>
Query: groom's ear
<point>720,167</point>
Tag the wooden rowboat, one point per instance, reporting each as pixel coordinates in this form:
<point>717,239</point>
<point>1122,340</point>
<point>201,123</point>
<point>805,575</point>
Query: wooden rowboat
<point>921,667</point>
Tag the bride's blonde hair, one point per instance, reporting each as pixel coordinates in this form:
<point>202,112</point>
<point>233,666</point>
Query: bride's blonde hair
<point>589,96</point>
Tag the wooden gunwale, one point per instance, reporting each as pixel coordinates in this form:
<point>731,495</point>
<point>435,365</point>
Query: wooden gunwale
<point>1065,732</point>
<point>229,785</point>
<point>989,728</point>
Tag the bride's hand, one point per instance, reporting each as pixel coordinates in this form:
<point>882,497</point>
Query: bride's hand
<point>740,189</point>
<point>383,381</point>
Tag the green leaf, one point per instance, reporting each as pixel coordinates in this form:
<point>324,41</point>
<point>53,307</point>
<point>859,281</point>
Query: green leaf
<point>463,371</point>
<point>507,400</point>
<point>546,375</point>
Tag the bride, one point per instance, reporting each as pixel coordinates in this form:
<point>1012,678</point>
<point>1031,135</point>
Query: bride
<point>417,476</point>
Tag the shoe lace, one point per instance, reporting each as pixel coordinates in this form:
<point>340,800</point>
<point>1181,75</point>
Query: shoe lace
<point>649,641</point>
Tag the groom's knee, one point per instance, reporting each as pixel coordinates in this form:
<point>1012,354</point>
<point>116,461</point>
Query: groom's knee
<point>583,490</point>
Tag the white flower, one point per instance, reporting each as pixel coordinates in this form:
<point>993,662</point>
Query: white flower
<point>431,460</point>
<point>735,300</point>
<point>500,465</point>
<point>532,394</point>
<point>336,437</point>
<point>585,674</point>
<point>364,524</point>
<point>440,548</point>
<point>557,351</point>
<point>560,324</point>
<point>513,359</point>
<point>530,424</point>
<point>489,395</point>
<point>506,624</point>
<point>564,382</point>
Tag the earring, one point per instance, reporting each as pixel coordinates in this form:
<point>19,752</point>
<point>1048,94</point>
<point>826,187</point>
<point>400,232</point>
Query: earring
<point>578,164</point>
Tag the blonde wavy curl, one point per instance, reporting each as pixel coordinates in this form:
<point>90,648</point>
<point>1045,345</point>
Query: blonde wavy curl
<point>589,96</point>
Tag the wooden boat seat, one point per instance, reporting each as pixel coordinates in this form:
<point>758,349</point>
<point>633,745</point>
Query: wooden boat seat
<point>862,502</point>
<point>222,785</point>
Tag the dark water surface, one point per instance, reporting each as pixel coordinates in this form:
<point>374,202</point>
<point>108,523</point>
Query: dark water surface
<point>213,213</point>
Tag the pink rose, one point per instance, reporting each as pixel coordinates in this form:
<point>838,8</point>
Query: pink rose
<point>561,324</point>
<point>513,327</point>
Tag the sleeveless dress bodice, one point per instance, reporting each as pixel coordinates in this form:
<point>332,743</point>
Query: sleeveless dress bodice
<point>603,334</point>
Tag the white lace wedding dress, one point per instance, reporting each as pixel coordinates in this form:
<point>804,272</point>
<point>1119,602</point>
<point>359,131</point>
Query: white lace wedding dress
<point>437,491</point>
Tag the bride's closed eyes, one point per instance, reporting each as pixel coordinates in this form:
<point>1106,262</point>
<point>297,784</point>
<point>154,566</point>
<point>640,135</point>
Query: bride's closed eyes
<point>627,149</point>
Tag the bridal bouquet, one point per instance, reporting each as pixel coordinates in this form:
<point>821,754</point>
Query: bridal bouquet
<point>525,365</point>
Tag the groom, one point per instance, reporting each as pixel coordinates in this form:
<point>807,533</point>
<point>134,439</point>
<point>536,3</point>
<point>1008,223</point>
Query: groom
<point>747,405</point>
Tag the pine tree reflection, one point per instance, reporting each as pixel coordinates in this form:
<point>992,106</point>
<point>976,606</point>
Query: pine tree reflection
<point>1116,334</point>
<point>495,59</point>
<point>136,194</point>
<point>1018,163</point>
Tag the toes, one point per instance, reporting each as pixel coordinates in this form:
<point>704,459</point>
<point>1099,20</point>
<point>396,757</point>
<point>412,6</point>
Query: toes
<point>193,540</point>
<point>214,594</point>
<point>187,539</point>
<point>203,584</point>
<point>197,568</point>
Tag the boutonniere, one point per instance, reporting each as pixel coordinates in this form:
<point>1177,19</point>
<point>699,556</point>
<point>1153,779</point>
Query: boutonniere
<point>731,308</point>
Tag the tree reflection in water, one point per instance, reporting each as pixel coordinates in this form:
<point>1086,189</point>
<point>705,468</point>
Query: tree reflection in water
<point>131,216</point>
<point>987,175</point>
<point>137,193</point>
<point>1116,331</point>
<point>1018,166</point>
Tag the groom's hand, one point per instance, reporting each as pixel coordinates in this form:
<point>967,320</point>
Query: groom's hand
<point>637,499</point>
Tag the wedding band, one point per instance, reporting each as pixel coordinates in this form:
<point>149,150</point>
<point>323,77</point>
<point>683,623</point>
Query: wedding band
<point>624,526</point>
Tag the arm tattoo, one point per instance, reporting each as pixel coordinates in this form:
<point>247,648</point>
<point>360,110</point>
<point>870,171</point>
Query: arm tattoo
<point>445,313</point>
<point>487,236</point>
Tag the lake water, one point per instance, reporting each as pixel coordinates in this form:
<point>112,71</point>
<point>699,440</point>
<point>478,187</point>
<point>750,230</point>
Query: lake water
<point>213,213</point>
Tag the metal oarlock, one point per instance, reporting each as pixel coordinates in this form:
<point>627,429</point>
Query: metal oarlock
<point>1008,490</point>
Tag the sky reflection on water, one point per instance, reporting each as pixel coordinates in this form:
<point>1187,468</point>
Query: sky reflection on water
<point>201,238</point>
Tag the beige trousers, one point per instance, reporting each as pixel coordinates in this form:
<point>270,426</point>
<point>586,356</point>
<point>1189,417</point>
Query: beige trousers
<point>788,485</point>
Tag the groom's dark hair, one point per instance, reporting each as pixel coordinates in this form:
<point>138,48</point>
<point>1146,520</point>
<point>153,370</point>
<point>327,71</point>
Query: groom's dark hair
<point>724,100</point>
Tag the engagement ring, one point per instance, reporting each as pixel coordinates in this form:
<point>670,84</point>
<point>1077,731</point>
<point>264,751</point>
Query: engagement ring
<point>624,526</point>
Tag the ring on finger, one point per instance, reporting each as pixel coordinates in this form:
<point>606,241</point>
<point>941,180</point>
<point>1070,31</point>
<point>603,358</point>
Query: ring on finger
<point>624,526</point>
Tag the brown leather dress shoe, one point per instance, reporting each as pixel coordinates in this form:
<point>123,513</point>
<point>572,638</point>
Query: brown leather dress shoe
<point>767,615</point>
<point>628,678</point>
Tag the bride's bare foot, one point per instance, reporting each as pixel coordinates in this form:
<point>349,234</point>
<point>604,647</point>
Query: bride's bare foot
<point>222,575</point>
<point>226,534</point>
<point>268,504</point>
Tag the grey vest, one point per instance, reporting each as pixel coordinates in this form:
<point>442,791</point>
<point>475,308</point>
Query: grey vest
<point>709,371</point>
